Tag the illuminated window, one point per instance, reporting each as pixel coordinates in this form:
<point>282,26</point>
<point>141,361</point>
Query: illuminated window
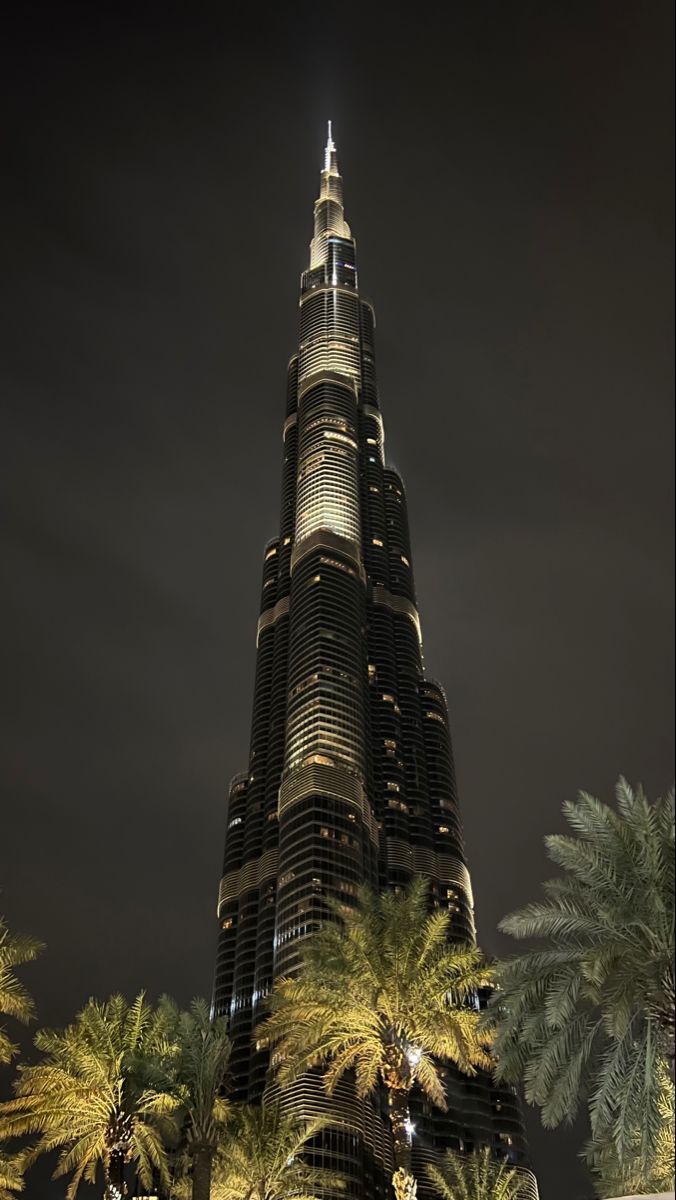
<point>444,829</point>
<point>271,553</point>
<point>227,923</point>
<point>376,541</point>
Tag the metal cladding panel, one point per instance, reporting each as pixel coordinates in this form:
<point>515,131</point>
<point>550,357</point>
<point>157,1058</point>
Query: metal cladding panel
<point>351,775</point>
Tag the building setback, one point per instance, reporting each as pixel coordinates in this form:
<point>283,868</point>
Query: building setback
<point>351,777</point>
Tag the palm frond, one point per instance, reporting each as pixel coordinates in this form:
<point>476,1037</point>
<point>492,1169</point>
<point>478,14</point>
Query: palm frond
<point>477,1176</point>
<point>15,1000</point>
<point>263,1155</point>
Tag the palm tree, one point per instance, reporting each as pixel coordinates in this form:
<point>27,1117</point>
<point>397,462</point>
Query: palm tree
<point>11,1175</point>
<point>593,1012</point>
<point>478,1176</point>
<point>200,1068</point>
<point>261,1158</point>
<point>100,1095</point>
<point>14,999</point>
<point>383,993</point>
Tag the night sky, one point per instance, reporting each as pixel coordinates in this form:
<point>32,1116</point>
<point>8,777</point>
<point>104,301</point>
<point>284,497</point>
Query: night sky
<point>508,176</point>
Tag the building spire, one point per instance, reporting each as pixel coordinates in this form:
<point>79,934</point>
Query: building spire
<point>330,150</point>
<point>329,218</point>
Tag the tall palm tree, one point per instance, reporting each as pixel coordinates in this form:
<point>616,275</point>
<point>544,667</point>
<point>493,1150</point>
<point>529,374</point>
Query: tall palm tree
<point>261,1158</point>
<point>199,1069</point>
<point>478,1176</point>
<point>14,999</point>
<point>592,1013</point>
<point>382,992</point>
<point>99,1097</point>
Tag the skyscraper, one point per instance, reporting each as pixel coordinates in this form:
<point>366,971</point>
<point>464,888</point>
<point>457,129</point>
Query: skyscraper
<point>350,776</point>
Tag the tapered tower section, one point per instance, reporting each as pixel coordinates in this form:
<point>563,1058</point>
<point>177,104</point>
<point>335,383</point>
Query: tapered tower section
<point>351,777</point>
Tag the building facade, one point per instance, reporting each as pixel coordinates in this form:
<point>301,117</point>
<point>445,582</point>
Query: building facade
<point>350,776</point>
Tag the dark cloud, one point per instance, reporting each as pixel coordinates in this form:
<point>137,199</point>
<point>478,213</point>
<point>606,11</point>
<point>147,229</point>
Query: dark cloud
<point>508,174</point>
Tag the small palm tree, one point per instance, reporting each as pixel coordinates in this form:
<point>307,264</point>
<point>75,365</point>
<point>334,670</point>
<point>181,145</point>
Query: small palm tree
<point>14,999</point>
<point>261,1159</point>
<point>199,1070</point>
<point>383,993</point>
<point>593,1012</point>
<point>99,1096</point>
<point>478,1176</point>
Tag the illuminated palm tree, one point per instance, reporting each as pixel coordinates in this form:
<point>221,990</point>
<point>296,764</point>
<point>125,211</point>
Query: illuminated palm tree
<point>478,1176</point>
<point>100,1096</point>
<point>14,999</point>
<point>261,1159</point>
<point>199,1072</point>
<point>592,1013</point>
<point>383,993</point>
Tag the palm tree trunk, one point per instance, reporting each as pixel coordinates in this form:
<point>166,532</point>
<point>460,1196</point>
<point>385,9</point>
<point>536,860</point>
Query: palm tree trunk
<point>202,1160</point>
<point>405,1187</point>
<point>116,1189</point>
